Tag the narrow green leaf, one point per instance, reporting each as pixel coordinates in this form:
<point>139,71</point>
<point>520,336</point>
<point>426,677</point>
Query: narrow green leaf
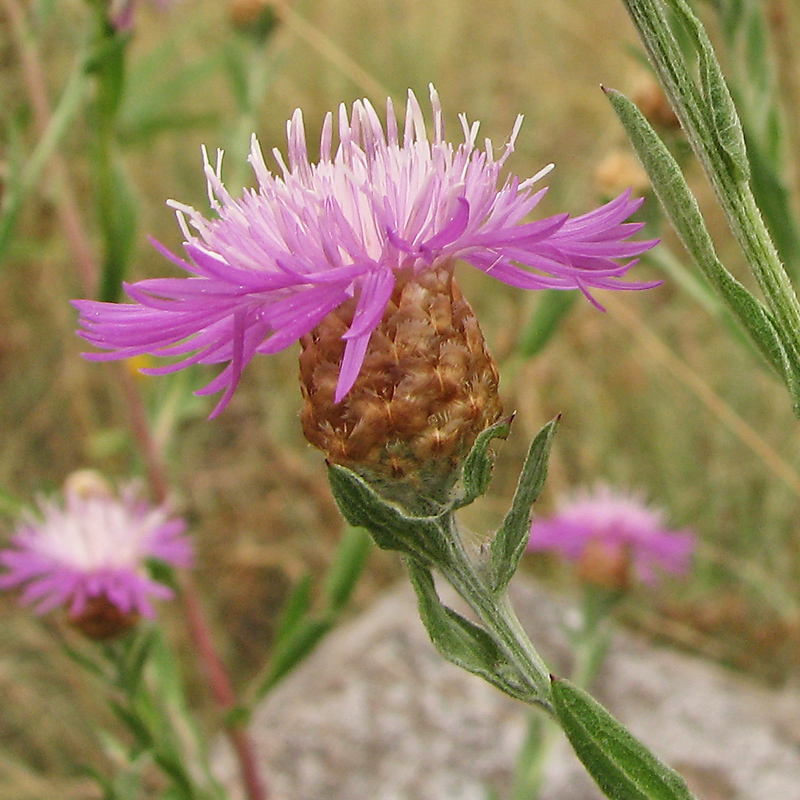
<point>532,757</point>
<point>171,764</point>
<point>683,212</point>
<point>620,764</point>
<point>118,218</point>
<point>775,202</point>
<point>107,63</point>
<point>477,471</point>
<point>85,661</point>
<point>351,555</point>
<point>133,723</point>
<point>510,540</point>
<point>137,657</point>
<point>462,642</point>
<point>553,306</point>
<point>237,717</point>
<point>17,189</point>
<point>294,648</point>
<point>170,690</point>
<point>719,104</point>
<point>388,525</point>
<point>294,611</point>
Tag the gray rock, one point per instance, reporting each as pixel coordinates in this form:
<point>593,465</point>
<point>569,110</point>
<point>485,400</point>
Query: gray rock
<point>376,714</point>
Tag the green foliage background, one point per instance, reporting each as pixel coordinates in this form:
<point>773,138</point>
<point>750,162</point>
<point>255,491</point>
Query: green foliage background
<point>655,394</point>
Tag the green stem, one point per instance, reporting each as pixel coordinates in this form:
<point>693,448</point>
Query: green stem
<point>589,645</point>
<point>497,615</point>
<point>701,118</point>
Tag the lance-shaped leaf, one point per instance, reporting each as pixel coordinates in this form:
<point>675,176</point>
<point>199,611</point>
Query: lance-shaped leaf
<point>510,540</point>
<point>723,117</point>
<point>717,150</point>
<point>683,212</point>
<point>553,307</point>
<point>618,762</point>
<point>464,643</point>
<point>346,568</point>
<point>389,526</point>
<point>477,471</point>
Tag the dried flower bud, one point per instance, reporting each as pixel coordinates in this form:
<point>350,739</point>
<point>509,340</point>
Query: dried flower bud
<point>653,103</point>
<point>253,16</point>
<point>620,169</point>
<point>428,387</point>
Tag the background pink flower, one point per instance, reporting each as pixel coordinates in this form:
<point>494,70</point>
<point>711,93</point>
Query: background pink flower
<point>606,523</point>
<point>94,545</point>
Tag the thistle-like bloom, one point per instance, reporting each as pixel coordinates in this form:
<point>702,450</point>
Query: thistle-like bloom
<point>384,208</point>
<point>607,532</point>
<point>89,554</point>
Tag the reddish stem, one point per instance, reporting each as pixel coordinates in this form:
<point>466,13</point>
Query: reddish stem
<point>214,669</point>
<point>220,685</point>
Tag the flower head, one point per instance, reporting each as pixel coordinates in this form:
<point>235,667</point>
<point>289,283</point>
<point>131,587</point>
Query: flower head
<point>385,206</point>
<point>89,554</point>
<point>607,532</point>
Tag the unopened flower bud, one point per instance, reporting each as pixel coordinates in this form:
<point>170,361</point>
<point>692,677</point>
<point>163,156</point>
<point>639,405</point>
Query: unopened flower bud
<point>256,17</point>
<point>620,169</point>
<point>653,103</point>
<point>427,388</point>
<point>87,483</point>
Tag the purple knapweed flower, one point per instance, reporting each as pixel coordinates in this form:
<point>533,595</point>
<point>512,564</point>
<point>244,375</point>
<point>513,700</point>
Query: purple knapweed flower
<point>385,205</point>
<point>94,545</point>
<point>606,532</point>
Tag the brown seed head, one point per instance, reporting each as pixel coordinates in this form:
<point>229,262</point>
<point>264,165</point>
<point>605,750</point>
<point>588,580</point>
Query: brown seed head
<point>427,388</point>
<point>101,619</point>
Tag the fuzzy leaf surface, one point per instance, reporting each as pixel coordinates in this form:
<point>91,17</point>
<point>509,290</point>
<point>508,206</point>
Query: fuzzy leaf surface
<point>512,537</point>
<point>618,762</point>
<point>389,526</point>
<point>477,470</point>
<point>462,642</point>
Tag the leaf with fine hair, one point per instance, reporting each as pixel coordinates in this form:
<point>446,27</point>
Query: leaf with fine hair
<point>683,212</point>
<point>464,643</point>
<point>723,116</point>
<point>477,471</point>
<point>387,523</point>
<point>510,540</point>
<point>618,762</point>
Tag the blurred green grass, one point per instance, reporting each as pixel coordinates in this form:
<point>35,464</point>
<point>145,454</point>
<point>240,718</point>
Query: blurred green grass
<point>254,491</point>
